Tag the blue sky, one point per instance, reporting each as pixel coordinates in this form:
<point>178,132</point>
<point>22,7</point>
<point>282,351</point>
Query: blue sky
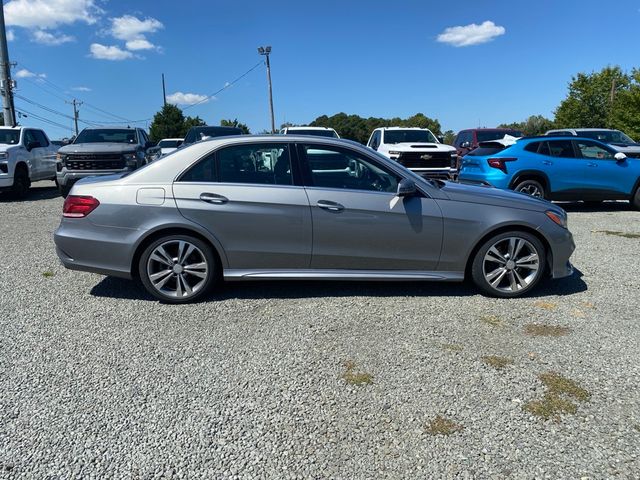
<point>370,58</point>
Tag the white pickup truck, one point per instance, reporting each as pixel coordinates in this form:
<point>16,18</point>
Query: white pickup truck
<point>26,155</point>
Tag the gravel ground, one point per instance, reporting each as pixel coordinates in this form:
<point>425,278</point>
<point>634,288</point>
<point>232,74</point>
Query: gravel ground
<point>314,380</point>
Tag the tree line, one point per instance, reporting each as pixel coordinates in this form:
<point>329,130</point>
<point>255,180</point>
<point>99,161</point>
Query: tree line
<point>609,98</point>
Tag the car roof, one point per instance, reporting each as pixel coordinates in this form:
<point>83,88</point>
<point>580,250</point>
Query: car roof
<point>111,127</point>
<point>302,127</point>
<point>402,128</point>
<point>162,139</point>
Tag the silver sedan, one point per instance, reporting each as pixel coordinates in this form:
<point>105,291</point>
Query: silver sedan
<point>299,207</point>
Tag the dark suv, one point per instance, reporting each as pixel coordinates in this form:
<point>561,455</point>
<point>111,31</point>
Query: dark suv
<point>468,140</point>
<point>101,151</point>
<point>195,134</point>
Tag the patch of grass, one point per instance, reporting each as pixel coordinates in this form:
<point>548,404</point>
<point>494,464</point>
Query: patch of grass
<point>542,330</point>
<point>48,274</point>
<point>493,320</point>
<point>587,305</point>
<point>545,305</point>
<point>454,347</point>
<point>559,385</point>
<point>443,426</point>
<point>637,427</point>
<point>353,377</point>
<point>576,312</point>
<point>555,401</point>
<point>618,234</point>
<point>497,362</point>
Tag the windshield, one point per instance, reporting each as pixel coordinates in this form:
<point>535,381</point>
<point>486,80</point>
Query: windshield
<point>169,143</point>
<point>607,136</point>
<point>9,137</point>
<point>409,136</point>
<point>107,135</point>
<point>317,133</point>
<point>486,136</point>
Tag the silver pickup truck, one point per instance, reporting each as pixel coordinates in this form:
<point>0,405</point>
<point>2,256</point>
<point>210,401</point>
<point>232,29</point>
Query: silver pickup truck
<point>26,155</point>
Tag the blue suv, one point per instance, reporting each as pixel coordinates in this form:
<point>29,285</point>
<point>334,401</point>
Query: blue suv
<point>556,168</point>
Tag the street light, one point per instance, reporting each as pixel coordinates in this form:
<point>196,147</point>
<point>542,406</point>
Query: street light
<point>266,51</point>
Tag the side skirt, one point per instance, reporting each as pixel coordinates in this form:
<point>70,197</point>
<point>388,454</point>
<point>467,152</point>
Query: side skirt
<point>321,274</point>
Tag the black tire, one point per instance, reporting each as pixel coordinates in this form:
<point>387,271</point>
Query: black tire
<point>21,182</point>
<point>635,200</point>
<point>532,245</point>
<point>169,292</point>
<point>531,187</point>
<point>64,190</point>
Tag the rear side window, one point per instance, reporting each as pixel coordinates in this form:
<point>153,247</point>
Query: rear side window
<point>541,148</point>
<point>561,148</point>
<point>265,164</point>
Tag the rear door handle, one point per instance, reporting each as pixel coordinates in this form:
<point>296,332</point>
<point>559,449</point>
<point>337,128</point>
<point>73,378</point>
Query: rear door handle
<point>592,164</point>
<point>328,205</point>
<point>213,198</point>
<point>547,162</point>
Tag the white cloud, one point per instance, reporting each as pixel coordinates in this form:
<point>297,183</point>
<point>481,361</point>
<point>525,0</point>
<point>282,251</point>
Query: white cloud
<point>11,36</point>
<point>81,89</point>
<point>108,52</point>
<point>464,36</point>
<point>44,14</point>
<point>180,98</point>
<point>24,73</point>
<point>47,38</point>
<point>140,44</point>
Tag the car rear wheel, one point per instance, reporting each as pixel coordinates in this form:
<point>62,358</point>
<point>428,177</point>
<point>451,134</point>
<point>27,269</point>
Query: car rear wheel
<point>177,268</point>
<point>531,187</point>
<point>509,264</point>
<point>635,200</point>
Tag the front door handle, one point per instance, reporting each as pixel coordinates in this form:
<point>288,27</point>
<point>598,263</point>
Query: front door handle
<point>213,198</point>
<point>592,164</point>
<point>328,205</point>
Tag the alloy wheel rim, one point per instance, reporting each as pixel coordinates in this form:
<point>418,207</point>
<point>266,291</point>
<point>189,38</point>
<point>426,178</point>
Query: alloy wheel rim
<point>178,269</point>
<point>511,264</point>
<point>531,189</point>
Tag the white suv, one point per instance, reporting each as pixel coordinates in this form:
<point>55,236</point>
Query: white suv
<point>26,155</point>
<point>314,131</point>
<point>417,149</point>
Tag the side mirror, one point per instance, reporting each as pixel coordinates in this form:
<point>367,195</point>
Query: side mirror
<point>440,138</point>
<point>406,188</point>
<point>620,157</point>
<point>32,145</point>
<point>465,145</point>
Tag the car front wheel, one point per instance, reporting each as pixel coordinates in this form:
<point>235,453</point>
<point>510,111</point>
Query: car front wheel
<point>531,187</point>
<point>177,268</point>
<point>509,264</point>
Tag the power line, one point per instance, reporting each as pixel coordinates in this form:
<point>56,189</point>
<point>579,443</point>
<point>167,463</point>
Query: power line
<point>227,85</point>
<point>26,113</point>
<point>56,112</point>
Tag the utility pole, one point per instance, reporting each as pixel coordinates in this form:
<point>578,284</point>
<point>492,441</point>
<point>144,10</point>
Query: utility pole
<point>164,93</point>
<point>266,51</point>
<point>5,76</point>
<point>75,104</point>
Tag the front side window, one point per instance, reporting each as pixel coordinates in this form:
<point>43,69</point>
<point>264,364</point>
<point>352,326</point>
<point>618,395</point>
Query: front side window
<point>41,138</point>
<point>30,138</point>
<point>561,148</point>
<point>593,151</point>
<point>334,167</point>
<point>265,164</point>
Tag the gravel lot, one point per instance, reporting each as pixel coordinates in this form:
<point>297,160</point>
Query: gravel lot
<point>314,380</point>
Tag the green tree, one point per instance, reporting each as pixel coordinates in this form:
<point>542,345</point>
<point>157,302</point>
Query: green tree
<point>625,115</point>
<point>449,137</point>
<point>235,123</point>
<point>534,125</point>
<point>191,122</point>
<point>588,103</point>
<point>167,123</point>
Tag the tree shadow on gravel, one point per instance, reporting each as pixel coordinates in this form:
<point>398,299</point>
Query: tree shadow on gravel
<point>112,287</point>
<point>33,195</point>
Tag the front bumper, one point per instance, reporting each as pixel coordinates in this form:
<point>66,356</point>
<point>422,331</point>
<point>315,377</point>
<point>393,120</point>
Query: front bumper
<point>562,247</point>
<point>6,182</point>
<point>66,178</point>
<point>442,173</point>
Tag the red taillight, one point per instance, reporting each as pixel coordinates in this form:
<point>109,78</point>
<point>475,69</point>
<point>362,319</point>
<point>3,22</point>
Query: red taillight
<point>500,162</point>
<point>76,206</point>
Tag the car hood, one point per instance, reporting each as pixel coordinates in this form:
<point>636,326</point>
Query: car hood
<point>98,148</point>
<point>417,146</point>
<point>488,195</point>
<point>626,147</point>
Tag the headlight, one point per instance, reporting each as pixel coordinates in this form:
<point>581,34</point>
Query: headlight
<point>130,156</point>
<point>394,153</point>
<point>558,218</point>
<point>59,157</point>
<point>3,155</point>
